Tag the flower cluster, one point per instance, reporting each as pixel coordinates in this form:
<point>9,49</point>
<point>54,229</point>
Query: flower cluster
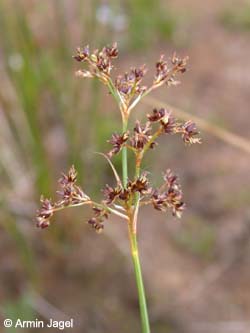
<point>99,62</point>
<point>143,136</point>
<point>167,121</point>
<point>169,195</point>
<point>45,213</point>
<point>71,195</point>
<point>100,214</point>
<point>129,84</point>
<point>117,141</point>
<point>166,74</point>
<point>189,132</point>
<point>128,89</point>
<point>124,199</point>
<point>139,184</point>
<point>170,125</point>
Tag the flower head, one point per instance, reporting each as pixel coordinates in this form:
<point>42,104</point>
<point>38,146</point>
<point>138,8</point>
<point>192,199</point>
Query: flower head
<point>118,142</point>
<point>140,184</point>
<point>81,54</point>
<point>189,132</point>
<point>157,115</point>
<point>44,213</point>
<point>142,134</point>
<point>169,195</point>
<point>71,195</point>
<point>99,62</point>
<point>111,193</point>
<point>100,214</point>
<point>166,74</point>
<point>129,84</point>
<point>70,192</point>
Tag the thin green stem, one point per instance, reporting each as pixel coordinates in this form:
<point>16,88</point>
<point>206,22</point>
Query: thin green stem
<point>139,280</point>
<point>124,157</point>
<point>135,255</point>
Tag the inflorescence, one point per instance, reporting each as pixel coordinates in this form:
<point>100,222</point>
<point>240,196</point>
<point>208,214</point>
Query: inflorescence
<point>128,90</point>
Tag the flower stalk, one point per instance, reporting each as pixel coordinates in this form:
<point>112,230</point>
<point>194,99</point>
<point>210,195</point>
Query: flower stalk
<point>139,280</point>
<point>124,155</point>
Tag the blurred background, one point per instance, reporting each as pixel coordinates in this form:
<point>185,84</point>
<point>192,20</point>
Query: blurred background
<point>196,270</point>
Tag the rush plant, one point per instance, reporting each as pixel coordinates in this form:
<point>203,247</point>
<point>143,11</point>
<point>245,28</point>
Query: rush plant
<point>127,196</point>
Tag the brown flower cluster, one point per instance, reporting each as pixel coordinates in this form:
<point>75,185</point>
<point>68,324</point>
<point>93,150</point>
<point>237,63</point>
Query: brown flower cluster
<point>189,132</point>
<point>71,195</point>
<point>143,135</point>
<point>118,193</point>
<point>165,118</point>
<point>129,84</point>
<point>45,213</point>
<point>127,88</point>
<point>99,62</point>
<point>100,214</point>
<point>167,74</point>
<point>117,141</point>
<point>169,195</point>
<point>169,125</point>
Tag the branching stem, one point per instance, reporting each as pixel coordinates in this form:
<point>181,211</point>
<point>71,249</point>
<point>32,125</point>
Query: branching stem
<point>132,213</point>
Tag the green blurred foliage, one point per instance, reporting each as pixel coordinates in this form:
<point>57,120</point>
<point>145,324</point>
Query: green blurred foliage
<point>237,17</point>
<point>148,22</point>
<point>18,309</point>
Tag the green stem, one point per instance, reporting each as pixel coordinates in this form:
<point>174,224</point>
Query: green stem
<point>133,220</point>
<point>124,157</point>
<point>139,280</point>
<point>135,255</point>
